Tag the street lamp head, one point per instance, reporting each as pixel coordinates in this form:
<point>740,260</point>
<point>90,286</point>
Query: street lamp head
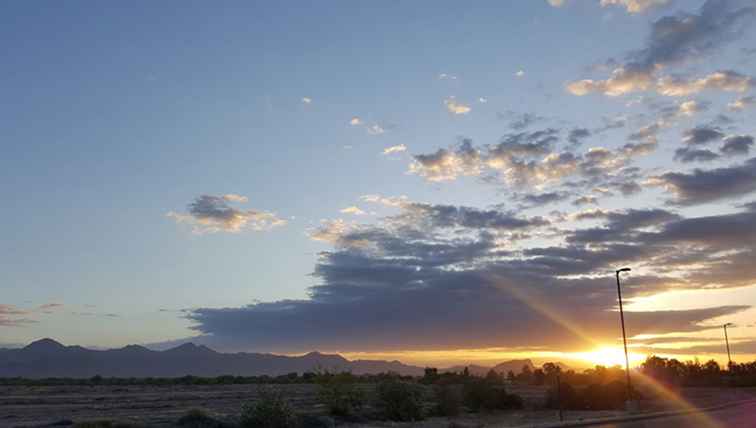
<point>729,324</point>
<point>625,269</point>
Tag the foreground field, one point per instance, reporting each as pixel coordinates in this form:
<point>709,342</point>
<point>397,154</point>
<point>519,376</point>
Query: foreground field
<point>24,406</point>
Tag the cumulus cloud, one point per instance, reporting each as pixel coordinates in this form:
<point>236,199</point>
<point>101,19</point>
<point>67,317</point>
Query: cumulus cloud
<point>376,129</point>
<point>456,107</point>
<point>676,40</point>
<point>306,100</point>
<point>635,6</point>
<point>524,120</point>
<point>726,80</point>
<point>445,165</point>
<point>578,135</point>
<point>703,186</point>
<point>556,3</point>
<point>353,210</point>
<point>391,285</point>
<point>737,145</point>
<point>208,213</point>
<point>395,149</point>
<point>702,135</point>
<point>687,155</point>
<point>742,103</point>
<point>355,121</point>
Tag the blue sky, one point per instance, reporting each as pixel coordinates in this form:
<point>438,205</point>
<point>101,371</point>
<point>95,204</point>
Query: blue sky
<point>117,115</point>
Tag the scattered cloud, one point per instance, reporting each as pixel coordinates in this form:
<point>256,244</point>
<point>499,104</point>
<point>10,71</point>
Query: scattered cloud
<point>726,80</point>
<point>687,155</point>
<point>742,103</point>
<point>577,135</point>
<point>306,100</point>
<point>703,186</point>
<point>737,145</point>
<point>520,73</point>
<point>208,214</point>
<point>445,76</point>
<point>353,210</point>
<point>635,6</point>
<point>702,135</point>
<point>355,121</point>
<point>456,107</point>
<point>556,3</point>
<point>395,149</point>
<point>483,100</point>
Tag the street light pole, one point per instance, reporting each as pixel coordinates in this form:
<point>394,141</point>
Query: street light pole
<point>624,336</point>
<point>727,342</point>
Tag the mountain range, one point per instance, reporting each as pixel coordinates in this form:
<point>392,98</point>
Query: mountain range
<point>49,358</point>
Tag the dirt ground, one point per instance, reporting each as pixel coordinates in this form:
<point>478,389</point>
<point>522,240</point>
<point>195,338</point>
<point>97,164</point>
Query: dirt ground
<point>162,405</point>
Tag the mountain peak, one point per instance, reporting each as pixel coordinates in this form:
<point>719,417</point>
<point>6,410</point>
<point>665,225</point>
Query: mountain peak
<point>45,344</point>
<point>190,348</point>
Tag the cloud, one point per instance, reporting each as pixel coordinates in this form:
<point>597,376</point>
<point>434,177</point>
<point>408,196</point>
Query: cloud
<point>687,155</point>
<point>376,129</point>
<point>12,316</point>
<point>532,200</point>
<point>353,210</point>
<point>355,121</point>
<point>690,108</point>
<point>306,100</point>
<point>556,3</point>
<point>388,201</point>
<point>524,120</point>
<point>742,103</point>
<point>726,80</point>
<point>676,40</point>
<point>520,73</point>
<point>456,107</point>
<point>623,82</point>
<point>208,214</point>
<point>577,135</point>
<point>390,286</point>
<point>394,149</point>
<point>445,165</point>
<point>703,186</point>
<point>635,6</point>
<point>585,200</point>
<point>445,76</point>
<point>702,135</point>
<point>483,100</point>
<point>737,145</point>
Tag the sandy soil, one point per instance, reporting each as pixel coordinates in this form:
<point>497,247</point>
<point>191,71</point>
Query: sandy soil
<point>162,405</point>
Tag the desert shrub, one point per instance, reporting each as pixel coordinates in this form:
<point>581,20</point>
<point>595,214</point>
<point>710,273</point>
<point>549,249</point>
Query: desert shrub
<point>448,400</point>
<point>270,410</point>
<point>316,421</point>
<point>596,396</point>
<point>400,400</point>
<point>105,423</point>
<point>197,418</point>
<point>340,393</point>
<point>484,394</point>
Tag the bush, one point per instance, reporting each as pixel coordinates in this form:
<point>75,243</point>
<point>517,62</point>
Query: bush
<point>270,410</point>
<point>340,394</point>
<point>448,400</point>
<point>483,394</point>
<point>400,401</point>
<point>197,418</point>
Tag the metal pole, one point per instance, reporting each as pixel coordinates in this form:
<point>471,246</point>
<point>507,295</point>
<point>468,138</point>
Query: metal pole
<point>559,398</point>
<point>624,337</point>
<point>727,342</point>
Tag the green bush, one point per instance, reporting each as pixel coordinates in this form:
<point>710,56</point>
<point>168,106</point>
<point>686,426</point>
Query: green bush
<point>448,400</point>
<point>400,401</point>
<point>270,410</point>
<point>340,394</point>
<point>484,394</point>
<point>197,418</point>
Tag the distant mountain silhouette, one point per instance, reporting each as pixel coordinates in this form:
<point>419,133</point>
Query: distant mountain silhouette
<point>48,358</point>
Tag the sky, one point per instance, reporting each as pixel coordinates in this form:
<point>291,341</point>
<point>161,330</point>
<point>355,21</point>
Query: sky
<point>432,181</point>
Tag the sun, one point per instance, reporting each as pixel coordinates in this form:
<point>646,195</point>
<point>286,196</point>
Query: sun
<point>609,356</point>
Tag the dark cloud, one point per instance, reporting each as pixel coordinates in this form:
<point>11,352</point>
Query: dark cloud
<point>702,135</point>
<point>687,155</point>
<point>436,277</point>
<point>577,135</point>
<point>737,145</point>
<point>532,200</point>
<point>702,186</point>
<point>675,40</point>
<point>524,120</point>
<point>208,213</point>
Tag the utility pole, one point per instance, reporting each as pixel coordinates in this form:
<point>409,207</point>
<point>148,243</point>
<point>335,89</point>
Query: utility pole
<point>624,336</point>
<point>727,342</point>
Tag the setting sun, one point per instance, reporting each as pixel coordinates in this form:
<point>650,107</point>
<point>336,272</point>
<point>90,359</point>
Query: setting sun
<point>609,356</point>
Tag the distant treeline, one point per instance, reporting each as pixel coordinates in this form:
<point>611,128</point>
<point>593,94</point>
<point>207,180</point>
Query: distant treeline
<point>692,373</point>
